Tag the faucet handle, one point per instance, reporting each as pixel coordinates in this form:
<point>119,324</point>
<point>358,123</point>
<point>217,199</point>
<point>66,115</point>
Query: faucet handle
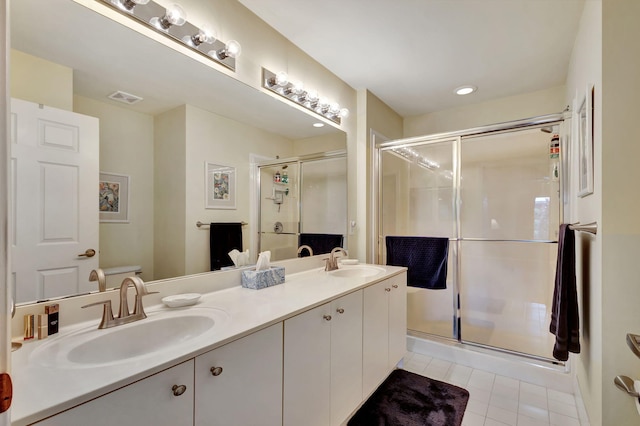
<point>107,313</point>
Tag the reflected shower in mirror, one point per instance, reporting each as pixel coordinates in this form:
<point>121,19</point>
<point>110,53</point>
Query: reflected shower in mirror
<point>156,132</point>
<point>303,202</point>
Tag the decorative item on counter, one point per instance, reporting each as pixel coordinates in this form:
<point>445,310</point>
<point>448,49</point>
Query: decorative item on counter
<point>264,275</point>
<point>28,326</point>
<point>43,326</point>
<point>238,258</point>
<point>276,177</point>
<point>53,312</point>
<point>285,177</point>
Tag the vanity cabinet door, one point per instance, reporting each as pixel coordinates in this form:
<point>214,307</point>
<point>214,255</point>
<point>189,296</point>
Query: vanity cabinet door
<point>346,356</point>
<point>307,369</point>
<point>375,339</point>
<point>384,330</point>
<point>240,383</point>
<point>397,319</point>
<point>151,401</point>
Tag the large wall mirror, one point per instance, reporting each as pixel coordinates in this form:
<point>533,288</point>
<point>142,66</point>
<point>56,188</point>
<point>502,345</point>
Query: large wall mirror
<point>153,154</point>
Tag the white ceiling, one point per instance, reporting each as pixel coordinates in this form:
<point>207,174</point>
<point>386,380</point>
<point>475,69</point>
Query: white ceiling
<point>412,54</point>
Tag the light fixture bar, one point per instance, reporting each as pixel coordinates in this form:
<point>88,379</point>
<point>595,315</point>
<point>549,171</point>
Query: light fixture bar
<point>293,91</point>
<point>182,33</point>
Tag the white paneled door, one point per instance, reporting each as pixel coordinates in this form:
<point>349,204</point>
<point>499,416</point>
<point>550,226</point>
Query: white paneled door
<point>54,178</point>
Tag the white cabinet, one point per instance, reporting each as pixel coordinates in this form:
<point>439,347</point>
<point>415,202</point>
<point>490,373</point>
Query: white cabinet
<point>162,399</point>
<point>241,383</point>
<point>323,363</point>
<point>384,330</point>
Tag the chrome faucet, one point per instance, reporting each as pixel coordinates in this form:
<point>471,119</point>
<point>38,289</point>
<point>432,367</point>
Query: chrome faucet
<point>304,246</point>
<point>98,275</point>
<point>124,315</point>
<point>332,262</point>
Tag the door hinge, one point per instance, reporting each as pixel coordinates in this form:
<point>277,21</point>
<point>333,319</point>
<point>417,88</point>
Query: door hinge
<point>6,392</point>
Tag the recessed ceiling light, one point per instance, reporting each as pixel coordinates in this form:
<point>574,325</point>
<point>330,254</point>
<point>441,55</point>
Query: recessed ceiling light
<point>318,124</point>
<point>465,90</point>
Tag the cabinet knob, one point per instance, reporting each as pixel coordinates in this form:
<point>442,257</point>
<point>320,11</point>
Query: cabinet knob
<point>387,289</point>
<point>327,317</point>
<point>340,311</point>
<point>395,286</point>
<point>216,371</point>
<point>178,389</point>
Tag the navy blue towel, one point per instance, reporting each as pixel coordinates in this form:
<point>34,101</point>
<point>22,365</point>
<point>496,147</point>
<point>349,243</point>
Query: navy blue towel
<point>224,237</point>
<point>426,258</point>
<point>320,243</point>
<point>565,322</point>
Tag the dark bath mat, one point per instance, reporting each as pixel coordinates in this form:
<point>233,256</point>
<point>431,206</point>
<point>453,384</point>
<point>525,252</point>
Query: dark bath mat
<point>408,399</point>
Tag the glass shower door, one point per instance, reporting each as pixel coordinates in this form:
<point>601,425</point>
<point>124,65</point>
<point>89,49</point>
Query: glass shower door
<point>509,217</point>
<point>417,199</point>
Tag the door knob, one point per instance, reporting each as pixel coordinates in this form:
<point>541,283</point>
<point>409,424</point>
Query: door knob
<point>88,253</point>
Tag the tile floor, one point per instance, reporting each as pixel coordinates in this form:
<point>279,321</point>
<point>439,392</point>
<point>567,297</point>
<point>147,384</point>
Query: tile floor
<point>496,400</point>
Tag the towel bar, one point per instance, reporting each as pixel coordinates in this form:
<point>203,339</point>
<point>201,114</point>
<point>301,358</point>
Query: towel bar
<point>591,228</point>
<point>201,224</point>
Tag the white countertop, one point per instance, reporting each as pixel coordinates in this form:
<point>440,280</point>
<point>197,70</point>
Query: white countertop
<point>40,391</point>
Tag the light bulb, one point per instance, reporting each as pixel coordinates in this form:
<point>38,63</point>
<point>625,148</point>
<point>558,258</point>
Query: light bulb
<point>128,5</point>
<point>173,15</point>
<point>344,113</point>
<point>298,87</point>
<point>323,105</point>
<point>312,95</point>
<point>206,34</point>
<point>334,108</point>
<point>282,78</point>
<point>231,50</point>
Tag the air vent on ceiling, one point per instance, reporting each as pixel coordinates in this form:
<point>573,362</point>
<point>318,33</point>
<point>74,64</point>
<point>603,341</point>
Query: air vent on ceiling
<point>125,97</point>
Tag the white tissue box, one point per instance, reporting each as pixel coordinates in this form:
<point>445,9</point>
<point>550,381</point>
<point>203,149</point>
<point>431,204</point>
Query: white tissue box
<point>261,279</point>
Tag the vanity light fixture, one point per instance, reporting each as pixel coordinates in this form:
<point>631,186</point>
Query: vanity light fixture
<point>172,23</point>
<point>280,84</point>
<point>465,90</point>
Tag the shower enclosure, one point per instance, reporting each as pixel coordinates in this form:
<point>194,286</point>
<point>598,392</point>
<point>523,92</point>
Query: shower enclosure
<point>301,197</point>
<point>495,193</point>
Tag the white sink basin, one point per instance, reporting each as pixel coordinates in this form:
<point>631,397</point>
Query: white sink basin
<point>161,331</point>
<point>357,271</point>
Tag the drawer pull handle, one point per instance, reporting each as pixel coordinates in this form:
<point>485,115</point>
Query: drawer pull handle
<point>216,371</point>
<point>395,286</point>
<point>387,289</point>
<point>327,317</point>
<point>340,311</point>
<point>178,389</point>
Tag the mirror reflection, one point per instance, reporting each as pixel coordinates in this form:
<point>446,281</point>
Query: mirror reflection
<point>147,147</point>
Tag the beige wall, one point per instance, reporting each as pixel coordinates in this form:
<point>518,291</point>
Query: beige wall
<point>374,116</point>
<point>43,82</point>
<point>169,189</point>
<point>511,108</point>
<point>585,68</point>
<point>322,143</point>
<point>620,227</point>
<point>126,147</point>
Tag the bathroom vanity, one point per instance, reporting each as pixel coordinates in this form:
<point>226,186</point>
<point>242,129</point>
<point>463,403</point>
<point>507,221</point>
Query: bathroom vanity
<point>308,351</point>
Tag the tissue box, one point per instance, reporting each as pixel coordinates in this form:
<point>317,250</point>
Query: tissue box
<point>261,279</point>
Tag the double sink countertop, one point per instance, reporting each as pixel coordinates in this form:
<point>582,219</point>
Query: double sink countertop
<point>48,378</point>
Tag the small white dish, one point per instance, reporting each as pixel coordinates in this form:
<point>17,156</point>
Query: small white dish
<point>349,261</point>
<point>179,300</point>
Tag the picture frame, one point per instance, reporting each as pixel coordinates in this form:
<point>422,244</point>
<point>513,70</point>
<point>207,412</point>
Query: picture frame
<point>113,197</point>
<point>585,143</point>
<point>220,186</point>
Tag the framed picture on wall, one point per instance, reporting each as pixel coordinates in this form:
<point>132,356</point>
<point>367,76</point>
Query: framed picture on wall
<point>220,186</point>
<point>585,143</point>
<point>113,196</point>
